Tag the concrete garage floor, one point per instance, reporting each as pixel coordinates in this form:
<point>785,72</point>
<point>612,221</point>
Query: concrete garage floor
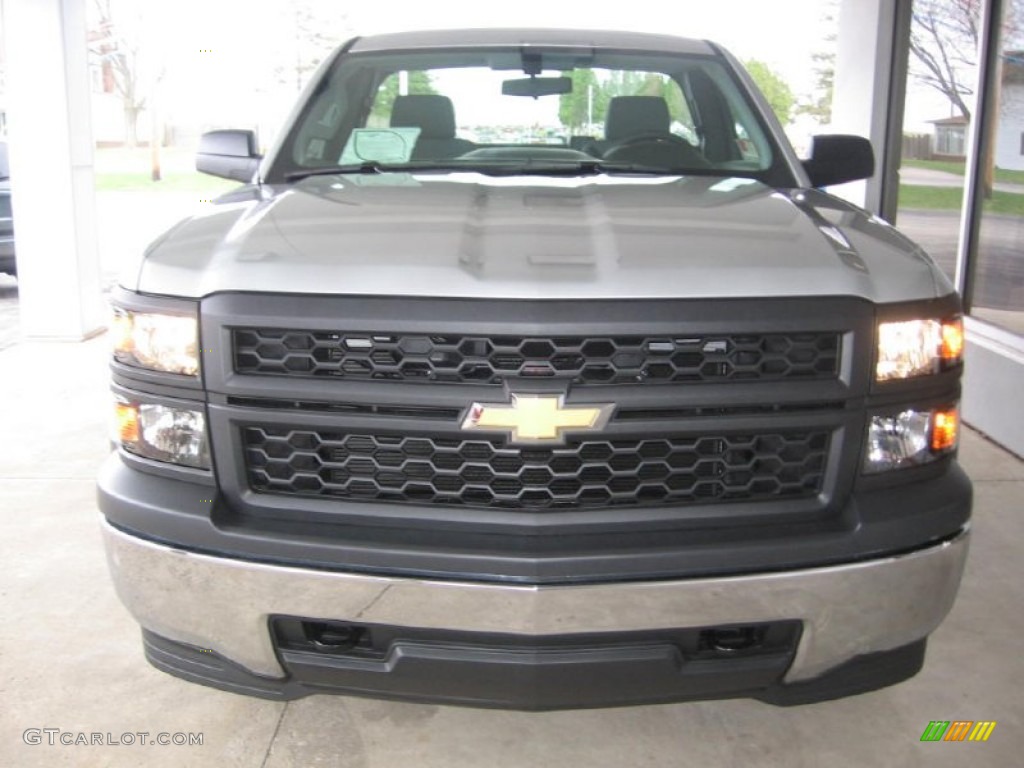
<point>71,658</point>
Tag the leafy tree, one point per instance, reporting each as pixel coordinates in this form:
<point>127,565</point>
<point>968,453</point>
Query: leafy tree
<point>774,88</point>
<point>820,107</point>
<point>819,104</point>
<point>591,95</point>
<point>576,109</point>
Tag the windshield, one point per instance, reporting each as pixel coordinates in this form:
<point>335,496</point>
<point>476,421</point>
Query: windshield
<point>528,110</point>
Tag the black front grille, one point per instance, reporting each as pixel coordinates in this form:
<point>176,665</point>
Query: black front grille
<point>486,473</point>
<point>580,359</point>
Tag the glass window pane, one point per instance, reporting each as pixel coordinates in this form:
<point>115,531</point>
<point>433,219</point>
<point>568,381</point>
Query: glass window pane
<point>937,113</point>
<point>467,105</point>
<point>998,294</point>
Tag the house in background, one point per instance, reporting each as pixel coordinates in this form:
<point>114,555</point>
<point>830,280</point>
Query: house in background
<point>950,138</point>
<point>1009,147</point>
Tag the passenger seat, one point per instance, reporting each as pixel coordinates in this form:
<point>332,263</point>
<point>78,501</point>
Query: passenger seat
<point>435,117</point>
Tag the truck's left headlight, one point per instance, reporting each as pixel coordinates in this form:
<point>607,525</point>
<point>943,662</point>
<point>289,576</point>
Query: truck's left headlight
<point>918,347</point>
<point>163,432</point>
<point>157,341</point>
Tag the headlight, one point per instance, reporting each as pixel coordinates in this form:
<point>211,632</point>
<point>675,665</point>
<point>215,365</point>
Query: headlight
<point>163,432</point>
<point>918,347</point>
<point>910,438</point>
<point>160,342</point>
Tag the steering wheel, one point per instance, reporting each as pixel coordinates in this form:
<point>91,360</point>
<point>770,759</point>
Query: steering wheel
<point>657,148</point>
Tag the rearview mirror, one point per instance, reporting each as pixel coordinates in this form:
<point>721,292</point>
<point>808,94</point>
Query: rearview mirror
<point>836,159</point>
<point>537,86</point>
<point>229,154</point>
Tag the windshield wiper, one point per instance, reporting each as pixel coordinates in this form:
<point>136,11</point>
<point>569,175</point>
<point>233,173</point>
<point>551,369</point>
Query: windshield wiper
<point>490,168</point>
<point>368,166</point>
<point>594,168</point>
<point>528,167</point>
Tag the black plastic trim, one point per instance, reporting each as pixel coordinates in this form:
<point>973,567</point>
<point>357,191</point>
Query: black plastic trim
<point>859,675</point>
<point>540,679</point>
<point>883,522</point>
<point>852,318</point>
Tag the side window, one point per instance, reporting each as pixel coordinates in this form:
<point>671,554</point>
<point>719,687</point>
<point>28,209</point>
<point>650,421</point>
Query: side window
<point>682,121</point>
<point>5,206</point>
<point>730,135</point>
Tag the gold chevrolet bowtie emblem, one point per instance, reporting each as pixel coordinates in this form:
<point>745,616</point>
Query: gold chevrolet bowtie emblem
<point>536,418</point>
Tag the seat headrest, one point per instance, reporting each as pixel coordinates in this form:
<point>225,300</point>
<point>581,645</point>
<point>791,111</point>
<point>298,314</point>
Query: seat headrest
<point>630,115</point>
<point>432,114</point>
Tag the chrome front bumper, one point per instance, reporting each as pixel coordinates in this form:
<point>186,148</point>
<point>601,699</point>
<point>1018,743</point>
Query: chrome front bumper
<point>224,605</point>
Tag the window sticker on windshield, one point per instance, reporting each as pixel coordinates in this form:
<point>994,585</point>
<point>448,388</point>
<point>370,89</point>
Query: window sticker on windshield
<point>330,117</point>
<point>315,149</point>
<point>382,145</point>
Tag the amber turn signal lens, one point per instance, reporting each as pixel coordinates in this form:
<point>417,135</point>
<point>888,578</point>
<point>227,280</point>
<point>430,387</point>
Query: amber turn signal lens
<point>121,332</point>
<point>952,340</point>
<point>127,423</point>
<point>945,430</point>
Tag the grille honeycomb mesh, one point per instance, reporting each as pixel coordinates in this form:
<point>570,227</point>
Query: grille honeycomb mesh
<point>485,473</point>
<point>580,359</point>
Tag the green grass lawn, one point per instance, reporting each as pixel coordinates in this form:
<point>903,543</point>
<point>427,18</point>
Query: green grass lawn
<point>951,198</point>
<point>127,169</point>
<point>199,183</point>
<point>952,166</point>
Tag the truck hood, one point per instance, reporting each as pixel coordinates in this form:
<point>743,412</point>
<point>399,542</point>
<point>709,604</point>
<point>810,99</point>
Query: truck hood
<point>468,235</point>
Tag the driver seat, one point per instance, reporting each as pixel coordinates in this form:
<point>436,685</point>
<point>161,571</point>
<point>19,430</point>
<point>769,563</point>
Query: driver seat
<point>646,116</point>
<point>633,115</point>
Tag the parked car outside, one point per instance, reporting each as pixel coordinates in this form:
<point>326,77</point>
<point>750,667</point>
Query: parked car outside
<point>8,262</point>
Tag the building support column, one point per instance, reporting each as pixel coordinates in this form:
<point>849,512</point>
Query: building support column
<point>868,97</point>
<point>51,159</point>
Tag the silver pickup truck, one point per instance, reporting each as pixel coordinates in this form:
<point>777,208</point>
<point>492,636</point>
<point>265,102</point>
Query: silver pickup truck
<point>533,369</point>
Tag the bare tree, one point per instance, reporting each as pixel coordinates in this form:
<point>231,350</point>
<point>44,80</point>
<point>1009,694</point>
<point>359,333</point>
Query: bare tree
<point>318,27</point>
<point>944,44</point>
<point>120,52</point>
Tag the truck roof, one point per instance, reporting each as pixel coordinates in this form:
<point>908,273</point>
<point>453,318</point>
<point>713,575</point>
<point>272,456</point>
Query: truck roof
<point>581,38</point>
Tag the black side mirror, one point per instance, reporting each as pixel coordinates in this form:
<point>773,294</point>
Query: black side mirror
<point>836,159</point>
<point>230,154</point>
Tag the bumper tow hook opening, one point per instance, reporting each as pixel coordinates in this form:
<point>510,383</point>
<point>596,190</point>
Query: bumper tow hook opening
<point>735,639</point>
<point>332,638</point>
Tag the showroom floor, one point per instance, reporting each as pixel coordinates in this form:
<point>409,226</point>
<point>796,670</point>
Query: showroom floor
<point>71,657</point>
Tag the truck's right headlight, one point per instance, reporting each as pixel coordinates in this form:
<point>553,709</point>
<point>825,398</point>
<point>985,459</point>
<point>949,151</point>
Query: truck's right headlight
<point>157,341</point>
<point>918,347</point>
<point>910,438</point>
<point>163,432</point>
